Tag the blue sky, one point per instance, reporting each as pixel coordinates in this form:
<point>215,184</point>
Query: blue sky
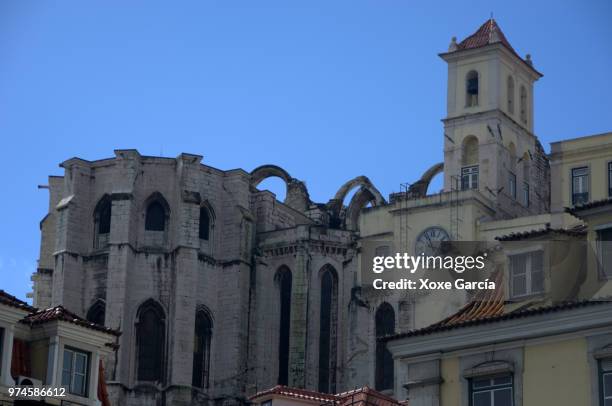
<point>326,89</point>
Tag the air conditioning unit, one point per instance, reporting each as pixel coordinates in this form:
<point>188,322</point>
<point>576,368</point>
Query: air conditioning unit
<point>27,381</point>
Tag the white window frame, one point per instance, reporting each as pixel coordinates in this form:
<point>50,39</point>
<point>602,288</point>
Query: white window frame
<point>585,184</point>
<point>472,173</point>
<point>492,388</point>
<point>529,291</point>
<point>72,371</point>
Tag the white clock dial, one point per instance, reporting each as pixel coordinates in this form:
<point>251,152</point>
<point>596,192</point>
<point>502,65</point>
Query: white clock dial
<point>429,241</point>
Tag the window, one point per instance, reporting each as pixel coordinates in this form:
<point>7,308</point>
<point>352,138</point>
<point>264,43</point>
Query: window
<point>610,179</point>
<point>1,348</point>
<point>266,403</point>
<point>580,185</point>
<point>472,89</point>
<point>201,350</point>
<point>204,223</point>
<point>491,391</point>
<point>97,312</point>
<point>385,325</point>
<point>74,371</point>
<point>150,338</point>
<point>512,184</point>
<point>526,273</point>
<point>523,106</point>
<point>526,194</point>
<point>510,94</point>
<point>382,251</point>
<point>604,249</point>
<point>102,222</point>
<point>469,177</point>
<point>156,217</point>
<point>605,380</point>
<point>327,331</point>
<point>284,280</point>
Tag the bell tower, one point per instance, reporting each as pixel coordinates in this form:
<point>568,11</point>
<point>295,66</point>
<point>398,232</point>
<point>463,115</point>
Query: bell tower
<point>489,143</point>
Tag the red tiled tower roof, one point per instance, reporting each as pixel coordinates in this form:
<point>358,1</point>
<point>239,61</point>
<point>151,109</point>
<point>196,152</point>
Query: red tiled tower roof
<point>488,33</point>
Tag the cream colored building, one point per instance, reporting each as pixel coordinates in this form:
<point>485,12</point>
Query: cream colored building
<point>544,337</point>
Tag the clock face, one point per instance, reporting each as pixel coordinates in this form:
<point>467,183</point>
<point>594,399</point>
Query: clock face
<point>430,240</point>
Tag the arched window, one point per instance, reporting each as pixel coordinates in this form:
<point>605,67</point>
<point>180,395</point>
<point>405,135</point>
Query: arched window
<point>97,312</point>
<point>471,87</point>
<point>469,163</point>
<point>150,341</point>
<point>102,221</point>
<point>328,330</point>
<point>523,105</point>
<point>156,217</point>
<point>510,94</point>
<point>204,223</point>
<point>284,282</point>
<point>385,325</point>
<point>201,349</point>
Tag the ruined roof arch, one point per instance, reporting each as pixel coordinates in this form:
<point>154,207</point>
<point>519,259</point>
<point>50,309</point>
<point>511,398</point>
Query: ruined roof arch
<point>420,187</point>
<point>365,183</point>
<point>263,172</point>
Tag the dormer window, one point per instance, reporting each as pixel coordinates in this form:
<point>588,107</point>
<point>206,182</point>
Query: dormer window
<point>472,89</point>
<point>526,273</point>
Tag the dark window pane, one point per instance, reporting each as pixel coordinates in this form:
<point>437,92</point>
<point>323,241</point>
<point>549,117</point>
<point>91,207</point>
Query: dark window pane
<point>502,397</point>
<point>156,217</point>
<point>607,383</point>
<point>97,313</point>
<point>482,399</point>
<point>201,350</point>
<point>327,354</point>
<point>150,338</point>
<point>285,281</point>
<point>104,217</point>
<point>385,325</point>
<point>204,223</point>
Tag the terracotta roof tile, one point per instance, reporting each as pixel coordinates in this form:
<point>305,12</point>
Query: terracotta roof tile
<point>296,393</point>
<point>575,210</point>
<point>360,396</point>
<point>10,300</point>
<point>484,36</point>
<point>490,33</point>
<point>519,313</point>
<point>62,314</point>
<point>577,231</point>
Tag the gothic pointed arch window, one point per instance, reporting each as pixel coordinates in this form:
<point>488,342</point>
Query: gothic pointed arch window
<point>510,94</point>
<point>150,341</point>
<point>201,349</point>
<point>284,281</point>
<point>206,221</point>
<point>385,325</point>
<point>97,312</point>
<point>328,326</point>
<point>156,217</point>
<point>102,221</point>
<point>471,89</point>
<point>523,104</point>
